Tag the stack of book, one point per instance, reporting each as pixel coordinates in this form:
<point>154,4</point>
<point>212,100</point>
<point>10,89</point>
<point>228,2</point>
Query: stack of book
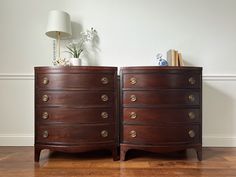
<point>174,58</point>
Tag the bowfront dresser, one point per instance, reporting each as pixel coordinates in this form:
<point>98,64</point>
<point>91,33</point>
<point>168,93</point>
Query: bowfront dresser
<point>161,109</point>
<point>76,109</point>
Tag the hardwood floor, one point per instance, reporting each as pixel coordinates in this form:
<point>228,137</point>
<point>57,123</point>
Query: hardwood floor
<point>19,162</point>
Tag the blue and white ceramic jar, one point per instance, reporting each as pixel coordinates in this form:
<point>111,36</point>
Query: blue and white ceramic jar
<point>161,61</point>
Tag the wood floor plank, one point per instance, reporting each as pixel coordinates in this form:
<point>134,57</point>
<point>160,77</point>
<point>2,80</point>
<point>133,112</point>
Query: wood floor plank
<point>19,162</point>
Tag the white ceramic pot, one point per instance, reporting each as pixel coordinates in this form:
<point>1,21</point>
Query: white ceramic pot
<point>75,62</point>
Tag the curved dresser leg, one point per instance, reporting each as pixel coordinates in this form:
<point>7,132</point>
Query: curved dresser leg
<point>199,153</point>
<point>37,152</point>
<point>122,153</point>
<point>115,154</point>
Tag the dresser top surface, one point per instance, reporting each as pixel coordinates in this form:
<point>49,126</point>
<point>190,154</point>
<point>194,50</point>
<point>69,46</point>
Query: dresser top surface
<point>74,69</point>
<point>156,69</point>
<point>161,68</point>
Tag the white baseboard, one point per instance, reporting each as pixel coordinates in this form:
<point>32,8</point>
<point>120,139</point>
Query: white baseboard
<point>28,140</point>
<point>214,141</point>
<point>16,140</point>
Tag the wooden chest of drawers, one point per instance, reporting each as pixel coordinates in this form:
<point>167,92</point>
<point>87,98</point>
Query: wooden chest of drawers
<point>76,109</point>
<point>161,109</point>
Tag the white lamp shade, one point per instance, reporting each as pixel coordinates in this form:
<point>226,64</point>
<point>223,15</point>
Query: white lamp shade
<point>58,21</point>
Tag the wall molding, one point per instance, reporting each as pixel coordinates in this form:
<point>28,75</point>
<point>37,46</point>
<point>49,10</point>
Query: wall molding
<point>16,140</point>
<point>219,77</point>
<point>218,141</point>
<point>207,77</point>
<point>9,76</point>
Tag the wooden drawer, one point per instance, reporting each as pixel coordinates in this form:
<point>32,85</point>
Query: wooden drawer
<point>155,135</point>
<point>161,81</point>
<point>75,98</point>
<point>69,115</point>
<point>160,115</point>
<point>74,134</point>
<point>162,97</point>
<point>75,81</point>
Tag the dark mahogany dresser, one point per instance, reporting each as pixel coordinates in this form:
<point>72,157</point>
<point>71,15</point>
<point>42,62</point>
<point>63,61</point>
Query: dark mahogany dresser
<point>76,109</point>
<point>161,109</point>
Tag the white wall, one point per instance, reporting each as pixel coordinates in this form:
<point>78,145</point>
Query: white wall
<point>131,33</point>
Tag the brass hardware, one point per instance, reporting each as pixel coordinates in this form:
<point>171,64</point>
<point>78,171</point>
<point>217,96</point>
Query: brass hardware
<point>45,80</point>
<point>45,115</point>
<point>104,115</point>
<point>133,80</point>
<point>45,134</point>
<point>133,98</point>
<point>133,115</point>
<point>191,80</point>
<point>104,80</point>
<point>133,133</point>
<point>191,115</point>
<point>191,134</point>
<point>104,97</point>
<point>45,98</point>
<point>104,133</point>
<point>191,98</point>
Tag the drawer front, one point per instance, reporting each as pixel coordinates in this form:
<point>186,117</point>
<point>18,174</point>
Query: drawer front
<point>160,115</point>
<point>183,97</point>
<point>73,134</point>
<point>60,81</point>
<point>74,98</point>
<point>161,135</point>
<point>159,81</point>
<point>68,115</point>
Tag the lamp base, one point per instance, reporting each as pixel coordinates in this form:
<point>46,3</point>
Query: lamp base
<point>61,62</point>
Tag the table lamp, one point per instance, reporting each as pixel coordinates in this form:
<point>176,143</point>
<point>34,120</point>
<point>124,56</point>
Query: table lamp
<point>58,27</point>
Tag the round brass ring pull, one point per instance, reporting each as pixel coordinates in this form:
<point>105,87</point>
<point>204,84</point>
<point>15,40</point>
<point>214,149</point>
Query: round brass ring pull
<point>133,115</point>
<point>133,98</point>
<point>104,98</point>
<point>191,98</point>
<point>45,80</point>
<point>191,134</point>
<point>191,80</point>
<point>133,80</point>
<point>191,115</point>
<point>104,115</point>
<point>45,134</point>
<point>133,133</point>
<point>104,80</point>
<point>104,133</point>
<point>45,115</point>
<point>45,98</point>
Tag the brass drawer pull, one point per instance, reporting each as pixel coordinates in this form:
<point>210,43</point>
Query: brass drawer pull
<point>191,98</point>
<point>191,115</point>
<point>104,133</point>
<point>104,98</point>
<point>45,98</point>
<point>45,134</point>
<point>133,80</point>
<point>104,115</point>
<point>45,115</point>
<point>133,98</point>
<point>104,80</point>
<point>191,80</point>
<point>45,80</point>
<point>191,134</point>
<point>133,133</point>
<point>133,115</point>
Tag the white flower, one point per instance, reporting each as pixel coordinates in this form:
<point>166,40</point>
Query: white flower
<point>75,47</point>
